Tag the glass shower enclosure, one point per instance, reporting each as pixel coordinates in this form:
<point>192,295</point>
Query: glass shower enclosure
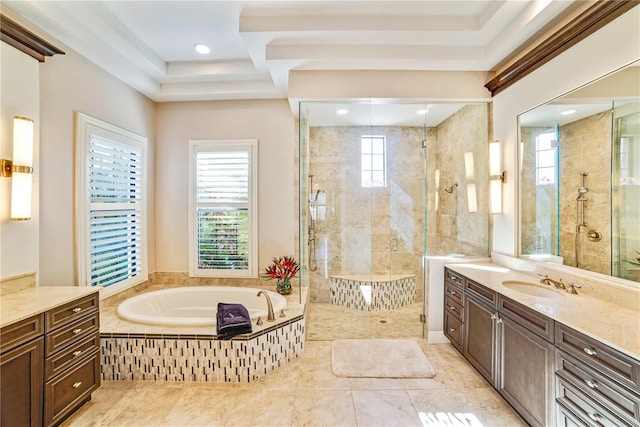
<point>367,194</point>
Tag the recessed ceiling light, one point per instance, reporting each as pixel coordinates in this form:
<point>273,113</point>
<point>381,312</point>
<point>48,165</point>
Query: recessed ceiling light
<point>566,113</point>
<point>201,48</point>
<point>342,111</point>
<point>422,112</point>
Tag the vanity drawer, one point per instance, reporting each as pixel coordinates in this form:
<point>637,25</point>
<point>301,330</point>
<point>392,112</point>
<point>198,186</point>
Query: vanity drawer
<point>71,355</point>
<point>618,399</point>
<point>13,335</point>
<point>453,277</point>
<point>481,293</point>
<point>65,392</point>
<point>72,311</point>
<point>537,323</point>
<point>453,291</point>
<point>589,411</point>
<point>599,356</point>
<point>453,329</point>
<point>455,308</point>
<point>71,333</point>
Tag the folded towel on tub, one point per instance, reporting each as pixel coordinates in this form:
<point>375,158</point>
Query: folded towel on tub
<point>231,320</point>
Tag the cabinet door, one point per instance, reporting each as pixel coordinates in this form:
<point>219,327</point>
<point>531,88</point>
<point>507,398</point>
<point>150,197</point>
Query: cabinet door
<point>21,385</point>
<point>525,373</point>
<point>479,337</point>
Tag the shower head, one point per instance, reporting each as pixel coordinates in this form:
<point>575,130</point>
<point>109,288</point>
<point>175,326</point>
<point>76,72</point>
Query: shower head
<point>451,188</point>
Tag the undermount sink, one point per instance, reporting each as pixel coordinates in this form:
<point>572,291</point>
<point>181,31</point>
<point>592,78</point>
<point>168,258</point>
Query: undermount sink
<point>532,288</point>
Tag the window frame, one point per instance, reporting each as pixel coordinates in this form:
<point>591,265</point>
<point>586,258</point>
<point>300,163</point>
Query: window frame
<point>369,170</point>
<point>86,128</point>
<point>217,145</point>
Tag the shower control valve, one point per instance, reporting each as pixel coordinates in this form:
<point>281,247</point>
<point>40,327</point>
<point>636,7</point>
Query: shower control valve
<point>594,236</point>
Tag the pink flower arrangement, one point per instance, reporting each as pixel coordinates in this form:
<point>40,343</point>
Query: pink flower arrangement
<point>282,268</point>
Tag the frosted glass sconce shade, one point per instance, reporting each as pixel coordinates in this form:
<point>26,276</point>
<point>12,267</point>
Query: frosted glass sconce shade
<point>496,176</point>
<point>20,169</point>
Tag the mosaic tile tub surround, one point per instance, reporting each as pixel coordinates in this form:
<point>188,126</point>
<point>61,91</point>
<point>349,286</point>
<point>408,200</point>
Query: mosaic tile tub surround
<point>140,352</point>
<point>373,293</point>
<point>152,357</point>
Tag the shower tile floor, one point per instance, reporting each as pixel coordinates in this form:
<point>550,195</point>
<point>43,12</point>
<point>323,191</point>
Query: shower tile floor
<point>330,322</point>
<point>305,392</point>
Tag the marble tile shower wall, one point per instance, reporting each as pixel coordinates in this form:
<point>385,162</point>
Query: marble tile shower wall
<point>354,235</point>
<point>452,228</point>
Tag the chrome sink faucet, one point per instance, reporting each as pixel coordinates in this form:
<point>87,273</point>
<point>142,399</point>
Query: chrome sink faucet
<point>270,316</point>
<point>546,280</point>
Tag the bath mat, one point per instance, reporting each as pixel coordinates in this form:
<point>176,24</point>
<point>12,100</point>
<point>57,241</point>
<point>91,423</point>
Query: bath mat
<point>380,358</point>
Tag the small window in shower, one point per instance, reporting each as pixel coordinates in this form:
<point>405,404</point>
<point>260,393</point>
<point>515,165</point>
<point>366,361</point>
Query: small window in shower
<point>546,158</point>
<point>373,161</point>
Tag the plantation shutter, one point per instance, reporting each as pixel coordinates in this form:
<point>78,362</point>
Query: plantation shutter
<point>224,230</point>
<point>115,191</point>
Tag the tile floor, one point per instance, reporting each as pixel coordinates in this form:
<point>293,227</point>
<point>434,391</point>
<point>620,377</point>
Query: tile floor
<point>305,392</point>
<point>330,322</point>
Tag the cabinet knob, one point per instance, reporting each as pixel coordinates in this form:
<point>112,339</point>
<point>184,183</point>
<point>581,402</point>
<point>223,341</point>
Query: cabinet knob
<point>452,308</point>
<point>453,293</point>
<point>595,416</point>
<point>494,317</point>
<point>498,320</point>
<point>77,353</point>
<point>452,329</point>
<point>77,331</point>
<point>591,383</point>
<point>589,351</point>
<point>78,384</point>
<point>77,310</point>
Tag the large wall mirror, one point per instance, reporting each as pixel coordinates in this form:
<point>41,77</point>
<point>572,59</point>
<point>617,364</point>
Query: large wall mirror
<point>580,177</point>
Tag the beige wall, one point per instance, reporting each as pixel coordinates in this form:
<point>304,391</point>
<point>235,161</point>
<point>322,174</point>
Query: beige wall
<point>20,93</point>
<point>271,122</point>
<point>608,49</point>
<point>70,83</point>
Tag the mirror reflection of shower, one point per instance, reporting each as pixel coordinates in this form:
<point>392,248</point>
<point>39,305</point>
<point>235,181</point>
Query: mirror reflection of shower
<point>317,206</point>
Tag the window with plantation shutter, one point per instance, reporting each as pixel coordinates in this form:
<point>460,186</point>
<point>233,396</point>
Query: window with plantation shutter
<point>111,205</point>
<point>222,196</point>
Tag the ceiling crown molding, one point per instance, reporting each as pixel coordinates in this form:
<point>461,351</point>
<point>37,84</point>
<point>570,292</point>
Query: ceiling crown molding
<point>588,22</point>
<point>24,40</point>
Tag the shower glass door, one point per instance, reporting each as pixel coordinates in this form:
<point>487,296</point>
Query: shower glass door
<point>364,198</point>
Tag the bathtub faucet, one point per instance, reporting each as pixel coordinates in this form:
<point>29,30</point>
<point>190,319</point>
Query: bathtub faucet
<point>270,317</point>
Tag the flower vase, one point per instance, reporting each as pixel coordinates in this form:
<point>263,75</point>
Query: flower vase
<point>283,286</point>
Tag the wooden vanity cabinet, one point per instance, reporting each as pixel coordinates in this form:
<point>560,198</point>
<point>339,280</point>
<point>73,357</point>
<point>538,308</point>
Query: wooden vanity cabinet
<point>511,346</point>
<point>480,336</point>
<point>525,358</point>
<point>597,384</point>
<point>72,364</point>
<point>50,364</point>
<point>453,308</point>
<point>21,353</point>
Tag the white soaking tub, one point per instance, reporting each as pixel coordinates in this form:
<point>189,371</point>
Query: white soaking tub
<point>195,305</point>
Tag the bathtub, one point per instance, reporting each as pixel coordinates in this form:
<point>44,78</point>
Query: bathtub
<point>195,305</point>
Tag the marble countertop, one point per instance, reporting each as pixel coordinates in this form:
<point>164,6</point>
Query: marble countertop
<point>616,326</point>
<point>25,303</point>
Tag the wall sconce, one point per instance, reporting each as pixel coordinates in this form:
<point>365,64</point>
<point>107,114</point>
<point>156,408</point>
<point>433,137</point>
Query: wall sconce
<point>20,169</point>
<point>497,176</point>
